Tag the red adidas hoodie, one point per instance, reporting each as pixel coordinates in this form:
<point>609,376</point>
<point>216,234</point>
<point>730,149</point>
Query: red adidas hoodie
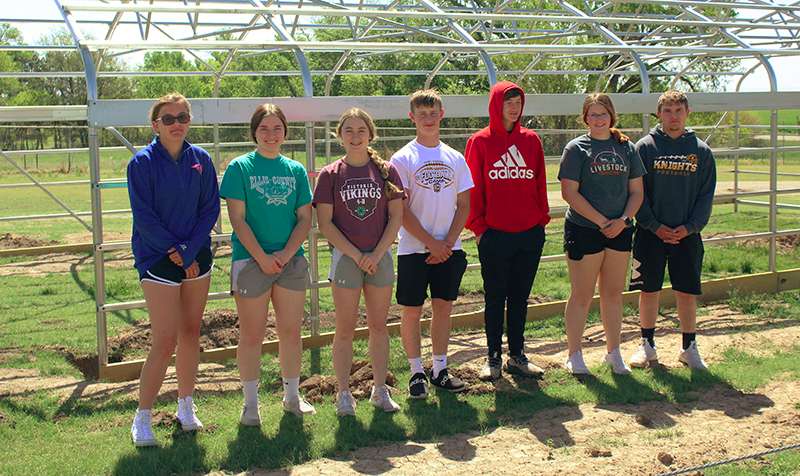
<point>510,192</point>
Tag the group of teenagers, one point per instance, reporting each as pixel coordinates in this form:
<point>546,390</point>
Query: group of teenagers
<point>427,193</point>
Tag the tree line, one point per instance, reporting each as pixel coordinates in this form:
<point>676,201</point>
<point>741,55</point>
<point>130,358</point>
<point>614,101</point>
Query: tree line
<point>72,90</point>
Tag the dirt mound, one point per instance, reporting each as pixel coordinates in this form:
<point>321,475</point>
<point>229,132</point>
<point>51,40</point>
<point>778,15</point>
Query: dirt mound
<point>784,243</point>
<point>317,387</point>
<point>9,241</point>
<point>220,328</point>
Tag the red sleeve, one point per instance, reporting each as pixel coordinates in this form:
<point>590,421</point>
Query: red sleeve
<point>541,181</point>
<point>476,220</point>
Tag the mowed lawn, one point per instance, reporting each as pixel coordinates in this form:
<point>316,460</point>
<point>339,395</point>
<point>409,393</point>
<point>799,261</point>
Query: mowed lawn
<point>90,436</point>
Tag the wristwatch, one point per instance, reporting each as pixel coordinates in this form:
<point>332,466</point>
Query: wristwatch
<point>627,220</point>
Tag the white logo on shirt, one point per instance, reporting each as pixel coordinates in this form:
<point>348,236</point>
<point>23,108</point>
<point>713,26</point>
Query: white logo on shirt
<point>435,176</point>
<point>275,190</point>
<point>510,166</point>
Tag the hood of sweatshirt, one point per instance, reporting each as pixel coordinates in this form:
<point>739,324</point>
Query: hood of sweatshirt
<point>659,134</point>
<point>496,106</point>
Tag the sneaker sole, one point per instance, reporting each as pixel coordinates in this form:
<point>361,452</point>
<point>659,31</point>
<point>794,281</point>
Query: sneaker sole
<point>145,443</point>
<point>693,368</point>
<point>249,422</point>
<point>299,413</point>
<point>451,390</point>
<point>418,397</point>
<point>191,427</point>
<point>516,371</point>
<point>379,407</point>
<point>340,413</point>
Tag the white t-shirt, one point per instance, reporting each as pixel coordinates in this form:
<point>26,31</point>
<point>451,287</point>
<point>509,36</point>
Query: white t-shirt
<point>434,176</point>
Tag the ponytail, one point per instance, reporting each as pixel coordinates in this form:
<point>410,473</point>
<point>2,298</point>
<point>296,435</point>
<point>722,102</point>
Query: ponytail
<point>383,167</point>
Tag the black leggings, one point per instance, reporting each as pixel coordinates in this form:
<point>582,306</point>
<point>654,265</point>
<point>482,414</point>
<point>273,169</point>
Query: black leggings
<point>509,262</point>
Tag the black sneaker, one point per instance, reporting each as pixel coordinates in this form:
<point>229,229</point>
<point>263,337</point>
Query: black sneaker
<point>418,386</point>
<point>446,382</point>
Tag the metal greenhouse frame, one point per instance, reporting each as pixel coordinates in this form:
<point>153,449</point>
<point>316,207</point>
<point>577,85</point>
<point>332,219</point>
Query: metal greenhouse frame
<point>468,37</point>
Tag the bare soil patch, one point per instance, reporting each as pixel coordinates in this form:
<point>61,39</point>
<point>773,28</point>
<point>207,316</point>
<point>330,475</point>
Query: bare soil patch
<point>10,241</point>
<point>605,440</point>
<point>645,438</point>
<point>318,387</point>
<point>220,328</point>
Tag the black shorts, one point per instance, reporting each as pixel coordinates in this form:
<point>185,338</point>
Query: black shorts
<point>582,240</point>
<point>414,276</point>
<point>650,255</point>
<point>169,273</point>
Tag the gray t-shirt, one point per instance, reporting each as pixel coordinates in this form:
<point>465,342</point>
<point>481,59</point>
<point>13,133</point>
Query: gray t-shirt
<point>603,168</point>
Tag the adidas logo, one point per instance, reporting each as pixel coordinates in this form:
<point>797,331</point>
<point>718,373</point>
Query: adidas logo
<point>510,166</point>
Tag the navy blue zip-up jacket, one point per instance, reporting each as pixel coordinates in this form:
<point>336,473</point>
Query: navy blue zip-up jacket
<point>175,204</point>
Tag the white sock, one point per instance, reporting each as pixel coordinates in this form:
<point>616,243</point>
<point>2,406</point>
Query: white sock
<point>416,365</point>
<point>250,389</point>
<point>144,413</point>
<point>291,387</point>
<point>439,364</point>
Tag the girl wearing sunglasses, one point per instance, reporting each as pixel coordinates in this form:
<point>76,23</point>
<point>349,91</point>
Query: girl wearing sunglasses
<point>173,191</point>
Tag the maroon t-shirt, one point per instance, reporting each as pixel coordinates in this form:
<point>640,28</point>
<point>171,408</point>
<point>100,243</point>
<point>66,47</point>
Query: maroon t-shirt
<point>360,204</point>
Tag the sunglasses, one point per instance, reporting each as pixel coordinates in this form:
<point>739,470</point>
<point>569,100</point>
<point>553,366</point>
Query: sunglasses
<point>169,119</point>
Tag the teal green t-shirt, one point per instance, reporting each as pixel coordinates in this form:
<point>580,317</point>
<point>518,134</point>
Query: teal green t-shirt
<point>273,190</point>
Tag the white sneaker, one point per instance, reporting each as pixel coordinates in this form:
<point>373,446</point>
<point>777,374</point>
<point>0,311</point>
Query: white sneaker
<point>691,358</point>
<point>250,415</point>
<point>575,364</point>
<point>644,356</point>
<point>298,406</point>
<point>380,398</point>
<point>345,404</point>
<point>187,415</point>
<point>142,430</point>
<point>614,360</point>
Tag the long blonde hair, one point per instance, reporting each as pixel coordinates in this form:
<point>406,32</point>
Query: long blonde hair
<point>383,165</point>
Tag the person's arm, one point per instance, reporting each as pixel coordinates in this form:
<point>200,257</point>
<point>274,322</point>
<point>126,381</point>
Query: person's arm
<point>541,183</point>
<point>635,197</point>
<point>237,213</point>
<point>298,236</point>
<point>207,214</point>
<point>303,213</point>
<point>437,248</point>
<point>369,262</point>
<point>147,222</point>
<point>645,217</point>
<point>459,219</point>
<point>476,220</point>
<point>570,193</point>
<point>332,233</point>
<point>705,198</point>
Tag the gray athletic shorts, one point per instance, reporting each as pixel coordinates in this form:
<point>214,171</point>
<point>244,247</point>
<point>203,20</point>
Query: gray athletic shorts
<point>345,272</point>
<point>247,279</point>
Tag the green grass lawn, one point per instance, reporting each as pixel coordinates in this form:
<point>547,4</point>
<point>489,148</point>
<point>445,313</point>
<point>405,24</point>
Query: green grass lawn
<point>97,430</point>
<point>59,310</point>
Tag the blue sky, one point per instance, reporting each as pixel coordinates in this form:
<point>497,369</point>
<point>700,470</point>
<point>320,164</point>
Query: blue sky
<point>787,69</point>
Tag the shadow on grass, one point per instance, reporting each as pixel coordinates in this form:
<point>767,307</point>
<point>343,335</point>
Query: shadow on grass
<point>183,455</point>
<point>252,448</point>
<point>444,413</point>
<point>126,315</point>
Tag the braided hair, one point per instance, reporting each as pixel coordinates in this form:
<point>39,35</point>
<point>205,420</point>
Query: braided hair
<point>383,165</point>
